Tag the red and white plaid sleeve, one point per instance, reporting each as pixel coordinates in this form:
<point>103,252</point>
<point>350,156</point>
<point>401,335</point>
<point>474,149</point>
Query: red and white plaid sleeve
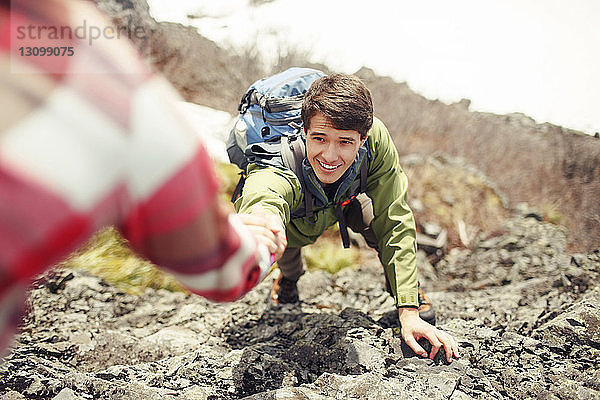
<point>81,150</point>
<point>177,221</point>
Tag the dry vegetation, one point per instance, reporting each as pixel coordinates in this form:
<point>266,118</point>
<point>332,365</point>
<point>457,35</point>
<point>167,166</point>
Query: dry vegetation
<point>108,255</point>
<point>456,197</point>
<point>553,169</point>
<point>328,254</point>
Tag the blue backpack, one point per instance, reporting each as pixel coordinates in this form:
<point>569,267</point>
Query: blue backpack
<point>268,133</point>
<point>269,111</point>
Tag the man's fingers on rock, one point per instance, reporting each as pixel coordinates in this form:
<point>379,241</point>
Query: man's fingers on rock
<point>450,345</point>
<point>415,346</point>
<point>449,348</point>
<point>454,348</point>
<point>435,347</point>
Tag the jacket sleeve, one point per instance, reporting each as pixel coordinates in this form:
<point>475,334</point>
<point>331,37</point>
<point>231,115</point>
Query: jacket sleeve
<point>175,217</point>
<point>393,222</point>
<point>113,150</point>
<point>277,190</point>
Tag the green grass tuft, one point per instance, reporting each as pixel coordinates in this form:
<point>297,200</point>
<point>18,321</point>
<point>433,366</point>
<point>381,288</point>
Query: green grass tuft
<point>108,256</point>
<point>329,255</point>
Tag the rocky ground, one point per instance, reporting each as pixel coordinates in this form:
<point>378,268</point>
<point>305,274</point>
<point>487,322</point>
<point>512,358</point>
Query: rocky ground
<point>525,312</point>
<point>526,315</point>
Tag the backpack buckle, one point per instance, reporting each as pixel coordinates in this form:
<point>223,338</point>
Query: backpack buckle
<point>245,102</point>
<point>296,127</point>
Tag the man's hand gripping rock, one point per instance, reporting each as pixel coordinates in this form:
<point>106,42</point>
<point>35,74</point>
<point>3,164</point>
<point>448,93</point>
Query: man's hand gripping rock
<point>414,328</point>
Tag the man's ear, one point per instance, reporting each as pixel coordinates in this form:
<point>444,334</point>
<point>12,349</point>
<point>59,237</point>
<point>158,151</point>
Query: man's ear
<point>364,140</point>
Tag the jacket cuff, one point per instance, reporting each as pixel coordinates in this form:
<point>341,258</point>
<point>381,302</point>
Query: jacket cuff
<point>407,299</point>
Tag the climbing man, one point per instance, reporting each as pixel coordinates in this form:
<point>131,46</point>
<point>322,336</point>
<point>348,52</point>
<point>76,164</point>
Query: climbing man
<point>350,174</point>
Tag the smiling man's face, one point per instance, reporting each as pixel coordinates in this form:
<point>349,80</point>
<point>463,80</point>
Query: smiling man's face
<point>330,151</point>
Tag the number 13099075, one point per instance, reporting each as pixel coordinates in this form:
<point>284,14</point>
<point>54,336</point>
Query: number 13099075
<point>47,51</point>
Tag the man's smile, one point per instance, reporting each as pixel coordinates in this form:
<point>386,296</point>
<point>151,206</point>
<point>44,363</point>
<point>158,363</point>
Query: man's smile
<point>329,167</point>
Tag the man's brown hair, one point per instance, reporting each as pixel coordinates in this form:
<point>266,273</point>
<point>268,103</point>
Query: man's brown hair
<point>343,99</point>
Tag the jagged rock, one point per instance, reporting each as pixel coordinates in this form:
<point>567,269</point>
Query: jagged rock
<point>67,394</point>
<point>527,250</point>
<point>370,386</point>
<point>11,395</point>
<point>576,331</point>
<point>534,335</point>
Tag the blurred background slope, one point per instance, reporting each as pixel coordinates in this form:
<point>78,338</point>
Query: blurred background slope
<point>553,169</point>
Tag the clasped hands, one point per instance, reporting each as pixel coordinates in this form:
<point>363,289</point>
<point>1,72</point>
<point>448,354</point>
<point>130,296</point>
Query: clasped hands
<point>267,229</point>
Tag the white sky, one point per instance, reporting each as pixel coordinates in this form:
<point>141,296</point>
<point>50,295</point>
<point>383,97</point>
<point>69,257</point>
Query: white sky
<point>539,57</point>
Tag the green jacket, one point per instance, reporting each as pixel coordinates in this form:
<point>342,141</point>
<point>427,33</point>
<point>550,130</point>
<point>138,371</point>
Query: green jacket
<point>278,191</point>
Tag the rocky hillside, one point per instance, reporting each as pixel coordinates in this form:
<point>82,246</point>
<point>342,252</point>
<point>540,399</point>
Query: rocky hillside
<point>526,315</point>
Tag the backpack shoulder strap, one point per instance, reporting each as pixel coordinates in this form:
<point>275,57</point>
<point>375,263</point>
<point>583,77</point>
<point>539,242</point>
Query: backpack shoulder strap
<point>293,152</point>
<point>364,170</point>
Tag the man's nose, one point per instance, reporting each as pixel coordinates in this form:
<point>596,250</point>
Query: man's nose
<point>330,153</point>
